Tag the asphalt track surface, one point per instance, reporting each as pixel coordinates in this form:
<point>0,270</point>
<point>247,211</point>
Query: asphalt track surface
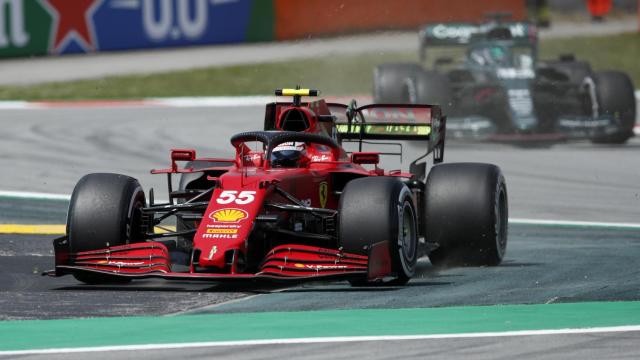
<point>572,347</point>
<point>544,265</point>
<point>49,150</point>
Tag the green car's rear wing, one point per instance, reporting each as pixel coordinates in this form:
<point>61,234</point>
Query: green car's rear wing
<point>392,122</point>
<point>460,34</point>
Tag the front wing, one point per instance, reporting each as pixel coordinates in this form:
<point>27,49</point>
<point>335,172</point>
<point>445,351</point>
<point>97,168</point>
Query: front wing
<point>291,262</point>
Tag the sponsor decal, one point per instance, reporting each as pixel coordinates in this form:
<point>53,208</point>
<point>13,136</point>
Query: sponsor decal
<point>464,32</point>
<point>214,250</point>
<point>222,231</point>
<point>515,73</point>
<point>252,157</point>
<point>73,22</point>
<point>326,267</point>
<point>323,192</point>
<point>322,157</point>
<point>320,267</point>
<point>219,236</point>
<point>229,215</point>
<point>16,34</point>
<point>520,101</point>
<point>291,146</point>
<point>120,263</point>
<point>397,115</point>
<point>223,226</point>
<point>232,196</point>
<point>421,130</point>
<point>38,27</point>
<point>443,31</point>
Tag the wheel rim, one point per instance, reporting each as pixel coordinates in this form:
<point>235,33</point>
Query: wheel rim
<point>407,239</point>
<point>133,228</point>
<point>501,222</point>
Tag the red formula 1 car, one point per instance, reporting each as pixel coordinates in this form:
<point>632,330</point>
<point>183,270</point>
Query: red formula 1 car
<point>293,205</point>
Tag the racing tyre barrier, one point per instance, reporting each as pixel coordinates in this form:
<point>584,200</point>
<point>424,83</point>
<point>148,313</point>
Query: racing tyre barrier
<point>376,209</point>
<point>466,214</point>
<point>615,94</point>
<point>104,211</point>
<point>390,82</point>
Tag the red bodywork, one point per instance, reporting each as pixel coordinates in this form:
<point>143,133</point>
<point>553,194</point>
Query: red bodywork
<point>248,193</point>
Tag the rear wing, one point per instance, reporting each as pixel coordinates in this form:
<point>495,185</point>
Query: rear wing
<point>392,122</point>
<point>459,34</point>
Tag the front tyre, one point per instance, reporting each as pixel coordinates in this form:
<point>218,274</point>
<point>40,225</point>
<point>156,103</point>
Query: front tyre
<point>615,95</point>
<point>466,214</point>
<point>105,210</point>
<point>376,209</point>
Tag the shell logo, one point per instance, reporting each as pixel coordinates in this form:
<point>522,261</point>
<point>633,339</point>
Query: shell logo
<point>298,265</point>
<point>229,215</point>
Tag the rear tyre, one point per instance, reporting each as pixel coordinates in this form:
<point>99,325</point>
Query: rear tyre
<point>376,209</point>
<point>466,214</point>
<point>429,87</point>
<point>615,94</point>
<point>389,82</point>
<point>104,211</point>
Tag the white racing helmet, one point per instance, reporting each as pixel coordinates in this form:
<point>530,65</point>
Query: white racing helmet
<point>287,154</point>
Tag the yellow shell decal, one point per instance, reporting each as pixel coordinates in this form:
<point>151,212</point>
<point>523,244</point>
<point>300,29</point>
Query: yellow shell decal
<point>323,190</point>
<point>222,231</point>
<point>229,215</point>
<point>298,265</point>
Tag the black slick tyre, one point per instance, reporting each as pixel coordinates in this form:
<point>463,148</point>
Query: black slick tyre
<point>389,82</point>
<point>429,87</point>
<point>376,209</point>
<point>466,214</point>
<point>615,95</point>
<point>104,211</point>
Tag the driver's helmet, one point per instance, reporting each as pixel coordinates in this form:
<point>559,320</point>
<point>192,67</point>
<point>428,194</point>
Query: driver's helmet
<point>288,154</point>
<point>491,55</point>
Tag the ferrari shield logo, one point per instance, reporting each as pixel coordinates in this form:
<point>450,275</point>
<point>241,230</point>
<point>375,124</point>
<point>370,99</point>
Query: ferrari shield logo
<point>323,192</point>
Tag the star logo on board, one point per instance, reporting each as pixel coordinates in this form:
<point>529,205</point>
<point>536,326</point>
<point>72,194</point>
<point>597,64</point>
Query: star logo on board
<point>72,21</point>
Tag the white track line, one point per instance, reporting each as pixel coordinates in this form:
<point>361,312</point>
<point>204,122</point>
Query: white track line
<point>15,105</point>
<point>33,195</point>
<point>316,340</point>
<point>517,221</point>
<point>213,101</point>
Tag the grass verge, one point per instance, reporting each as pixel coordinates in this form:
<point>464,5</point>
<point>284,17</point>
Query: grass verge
<point>334,74</point>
